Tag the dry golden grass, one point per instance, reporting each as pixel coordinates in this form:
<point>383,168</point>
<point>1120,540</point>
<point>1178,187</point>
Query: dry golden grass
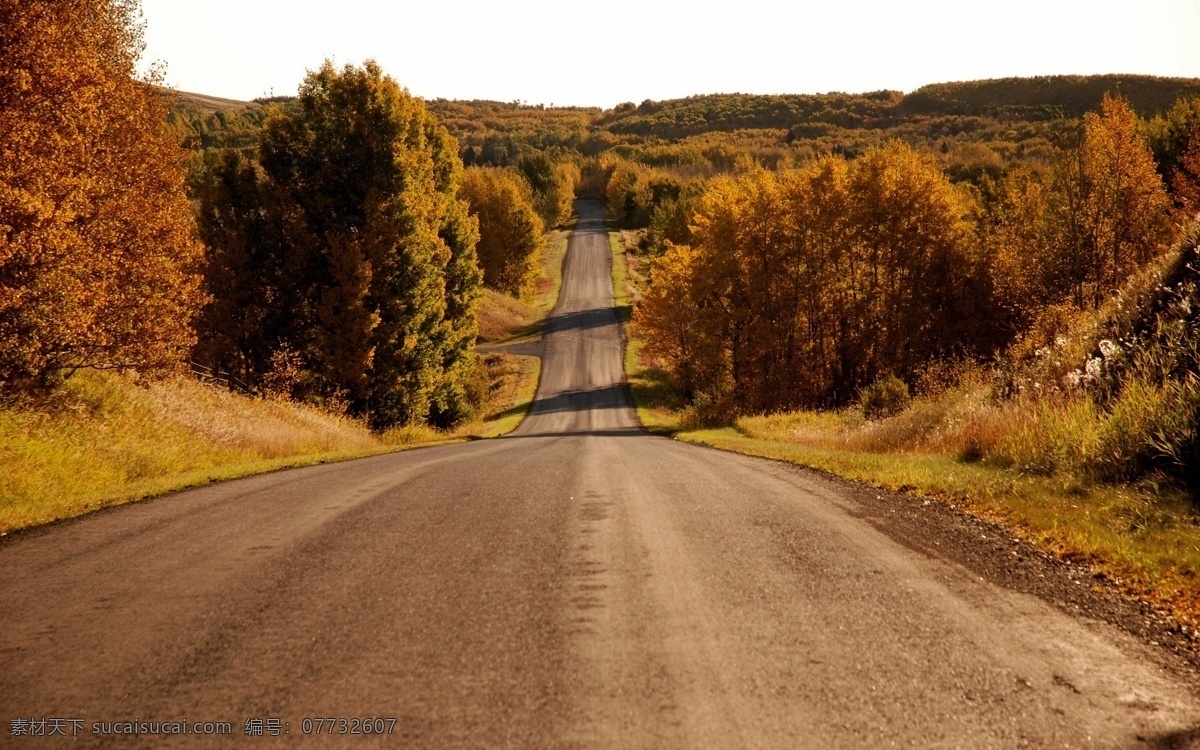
<point>514,381</point>
<point>210,104</point>
<point>105,440</point>
<point>503,317</point>
<point>268,428</point>
<point>550,282</point>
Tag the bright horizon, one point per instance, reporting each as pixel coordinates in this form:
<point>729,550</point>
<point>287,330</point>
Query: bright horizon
<point>625,50</point>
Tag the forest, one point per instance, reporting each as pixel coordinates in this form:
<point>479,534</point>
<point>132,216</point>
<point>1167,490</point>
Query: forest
<point>332,247</point>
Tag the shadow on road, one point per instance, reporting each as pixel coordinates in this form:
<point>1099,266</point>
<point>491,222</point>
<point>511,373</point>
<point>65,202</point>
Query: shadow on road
<point>581,320</point>
<point>606,397</point>
<point>601,432</point>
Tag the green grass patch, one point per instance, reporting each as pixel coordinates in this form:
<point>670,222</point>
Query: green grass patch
<point>622,290</point>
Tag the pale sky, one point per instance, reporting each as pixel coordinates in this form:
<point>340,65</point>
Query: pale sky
<point>608,52</point>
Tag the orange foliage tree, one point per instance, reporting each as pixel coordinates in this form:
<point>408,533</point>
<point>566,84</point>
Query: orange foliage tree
<point>1076,231</point>
<point>553,185</point>
<point>1111,213</point>
<point>1185,179</point>
<point>98,262</point>
<point>1022,257</point>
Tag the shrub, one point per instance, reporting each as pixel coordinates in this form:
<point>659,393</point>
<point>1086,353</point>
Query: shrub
<point>885,397</point>
<point>1149,428</point>
<point>709,409</point>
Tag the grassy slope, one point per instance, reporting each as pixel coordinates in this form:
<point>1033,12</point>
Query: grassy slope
<point>107,440</point>
<point>210,104</point>
<point>514,384</point>
<point>1145,539</point>
<point>504,319</point>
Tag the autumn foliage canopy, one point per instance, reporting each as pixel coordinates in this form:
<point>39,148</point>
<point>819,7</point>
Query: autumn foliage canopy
<point>510,230</point>
<point>99,266</point>
<point>801,287</point>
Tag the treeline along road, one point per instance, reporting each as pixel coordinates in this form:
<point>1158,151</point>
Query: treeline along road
<point>579,583</point>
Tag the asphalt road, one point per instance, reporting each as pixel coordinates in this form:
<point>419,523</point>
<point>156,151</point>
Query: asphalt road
<point>576,584</point>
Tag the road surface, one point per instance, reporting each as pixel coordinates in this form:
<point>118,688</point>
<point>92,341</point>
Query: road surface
<point>578,584</point>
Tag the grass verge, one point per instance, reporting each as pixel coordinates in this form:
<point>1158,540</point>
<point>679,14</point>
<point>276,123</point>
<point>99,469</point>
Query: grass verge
<point>550,282</point>
<point>657,404</point>
<point>107,440</point>
<point>514,384</point>
<point>1145,538</point>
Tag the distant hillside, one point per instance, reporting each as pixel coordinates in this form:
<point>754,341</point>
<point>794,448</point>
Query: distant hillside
<point>499,131</point>
<point>509,117</point>
<point>1015,117</point>
<point>1047,96</point>
<point>204,122</point>
<point>209,104</point>
<point>1009,99</point>
<point>679,118</point>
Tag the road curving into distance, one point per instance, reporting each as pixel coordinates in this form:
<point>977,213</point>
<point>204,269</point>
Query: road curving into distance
<point>577,584</point>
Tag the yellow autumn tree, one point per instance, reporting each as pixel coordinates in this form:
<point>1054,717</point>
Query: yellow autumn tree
<point>800,288</point>
<point>827,301</point>
<point>510,231</point>
<point>553,184</point>
<point>1022,259</point>
<point>1185,179</point>
<point>681,329</point>
<point>910,232</point>
<point>629,194</point>
<point>1111,208</point>
<point>98,260</point>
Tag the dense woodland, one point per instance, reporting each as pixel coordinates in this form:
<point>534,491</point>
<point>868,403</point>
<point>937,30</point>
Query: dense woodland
<point>330,247</point>
<point>341,260</point>
<point>798,288</point>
